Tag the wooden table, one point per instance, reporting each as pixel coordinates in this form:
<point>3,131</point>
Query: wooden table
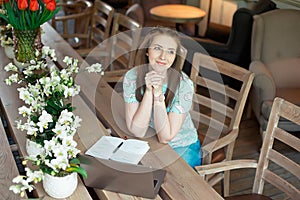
<point>98,103</point>
<point>177,13</point>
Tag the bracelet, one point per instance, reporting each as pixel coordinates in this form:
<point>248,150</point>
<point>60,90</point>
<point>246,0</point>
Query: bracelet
<point>159,98</point>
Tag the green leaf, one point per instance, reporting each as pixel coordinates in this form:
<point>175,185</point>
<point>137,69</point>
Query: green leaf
<point>35,119</point>
<point>75,161</point>
<point>51,110</point>
<point>77,169</point>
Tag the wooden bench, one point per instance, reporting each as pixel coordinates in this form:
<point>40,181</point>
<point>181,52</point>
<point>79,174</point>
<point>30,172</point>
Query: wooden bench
<point>8,167</point>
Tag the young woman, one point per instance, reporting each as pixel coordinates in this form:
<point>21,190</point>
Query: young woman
<point>158,94</point>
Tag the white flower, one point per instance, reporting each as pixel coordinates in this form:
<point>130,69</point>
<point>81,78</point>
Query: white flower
<point>49,145</point>
<point>11,67</point>
<point>64,74</point>
<point>25,95</point>
<point>65,117</point>
<point>34,176</point>
<point>20,126</point>
<point>12,79</point>
<point>50,52</point>
<point>67,60</point>
<point>76,122</point>
<point>31,128</point>
<point>95,68</point>
<point>71,91</point>
<point>44,119</point>
<point>25,111</point>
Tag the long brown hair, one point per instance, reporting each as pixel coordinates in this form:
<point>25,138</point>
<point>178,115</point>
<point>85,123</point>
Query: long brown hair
<point>142,59</point>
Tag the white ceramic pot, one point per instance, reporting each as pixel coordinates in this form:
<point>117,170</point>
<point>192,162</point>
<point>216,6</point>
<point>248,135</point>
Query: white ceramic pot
<point>33,148</point>
<point>60,187</point>
<point>9,51</point>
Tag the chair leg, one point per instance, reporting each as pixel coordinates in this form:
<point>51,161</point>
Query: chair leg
<point>226,183</point>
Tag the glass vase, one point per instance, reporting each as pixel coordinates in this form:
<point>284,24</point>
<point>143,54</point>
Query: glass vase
<point>26,43</point>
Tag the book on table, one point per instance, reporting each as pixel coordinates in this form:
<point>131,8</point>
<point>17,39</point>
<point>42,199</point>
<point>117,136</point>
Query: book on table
<point>113,148</point>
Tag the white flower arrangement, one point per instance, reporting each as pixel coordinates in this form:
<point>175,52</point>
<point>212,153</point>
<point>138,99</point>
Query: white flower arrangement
<point>6,36</point>
<point>47,117</point>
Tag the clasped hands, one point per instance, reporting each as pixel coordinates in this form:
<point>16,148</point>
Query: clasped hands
<point>154,82</point>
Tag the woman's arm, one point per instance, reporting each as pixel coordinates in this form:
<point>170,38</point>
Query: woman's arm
<point>138,115</point>
<point>166,125</point>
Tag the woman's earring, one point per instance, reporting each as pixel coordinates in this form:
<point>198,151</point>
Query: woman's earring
<point>147,54</point>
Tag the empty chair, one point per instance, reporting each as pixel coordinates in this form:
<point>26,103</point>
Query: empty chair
<point>275,57</point>
<point>100,25</point>
<point>218,108</point>
<point>123,43</point>
<point>269,155</point>
<point>73,22</point>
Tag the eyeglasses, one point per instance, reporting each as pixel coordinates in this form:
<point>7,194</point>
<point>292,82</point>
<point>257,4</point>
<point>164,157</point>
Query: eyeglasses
<point>160,50</point>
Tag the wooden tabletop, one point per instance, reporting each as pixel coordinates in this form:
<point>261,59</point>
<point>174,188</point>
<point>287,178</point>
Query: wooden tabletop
<point>177,13</point>
<point>181,181</point>
<point>98,101</point>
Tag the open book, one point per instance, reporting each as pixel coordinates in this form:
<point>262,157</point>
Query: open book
<point>117,149</point>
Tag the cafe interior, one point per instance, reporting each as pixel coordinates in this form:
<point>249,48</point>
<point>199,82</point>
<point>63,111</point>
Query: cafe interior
<point>243,57</point>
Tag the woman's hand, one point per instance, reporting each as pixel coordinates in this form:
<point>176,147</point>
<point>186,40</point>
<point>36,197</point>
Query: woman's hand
<point>153,81</point>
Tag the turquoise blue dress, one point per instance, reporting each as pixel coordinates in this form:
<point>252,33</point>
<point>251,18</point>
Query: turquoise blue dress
<point>186,142</point>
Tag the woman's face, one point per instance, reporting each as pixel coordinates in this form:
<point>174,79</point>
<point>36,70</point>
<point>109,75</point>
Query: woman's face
<point>162,53</point>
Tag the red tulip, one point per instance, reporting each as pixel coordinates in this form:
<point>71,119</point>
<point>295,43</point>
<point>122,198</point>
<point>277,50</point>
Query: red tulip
<point>22,4</point>
<point>51,5</point>
<point>47,1</point>
<point>34,5</point>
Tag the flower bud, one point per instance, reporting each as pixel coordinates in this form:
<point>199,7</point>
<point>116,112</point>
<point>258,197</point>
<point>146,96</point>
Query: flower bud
<point>33,5</point>
<point>22,4</point>
<point>51,5</point>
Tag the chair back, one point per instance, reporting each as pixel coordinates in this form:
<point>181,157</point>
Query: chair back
<point>269,154</point>
<point>276,35</point>
<point>278,164</point>
<point>276,44</point>
<point>101,22</point>
<point>125,38</point>
<point>217,109</point>
<point>73,22</point>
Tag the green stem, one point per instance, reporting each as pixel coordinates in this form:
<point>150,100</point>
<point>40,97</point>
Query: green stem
<point>23,19</point>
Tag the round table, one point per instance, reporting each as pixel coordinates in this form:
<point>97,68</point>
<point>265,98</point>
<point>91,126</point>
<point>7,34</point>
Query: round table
<point>177,13</point>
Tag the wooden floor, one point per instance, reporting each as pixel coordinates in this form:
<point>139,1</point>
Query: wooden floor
<point>247,147</point>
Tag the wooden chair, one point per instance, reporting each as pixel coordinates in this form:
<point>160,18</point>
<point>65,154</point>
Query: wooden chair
<point>73,22</point>
<point>218,108</point>
<point>268,155</point>
<point>100,25</point>
<point>125,37</point>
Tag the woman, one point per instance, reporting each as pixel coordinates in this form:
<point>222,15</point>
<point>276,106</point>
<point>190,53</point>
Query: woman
<point>158,94</point>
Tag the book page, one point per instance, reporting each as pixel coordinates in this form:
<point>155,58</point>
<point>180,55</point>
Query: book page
<point>131,151</point>
<point>104,147</point>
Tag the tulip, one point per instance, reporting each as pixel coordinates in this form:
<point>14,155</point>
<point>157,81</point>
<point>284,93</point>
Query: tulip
<point>22,4</point>
<point>34,5</point>
<point>47,1</point>
<point>51,5</point>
